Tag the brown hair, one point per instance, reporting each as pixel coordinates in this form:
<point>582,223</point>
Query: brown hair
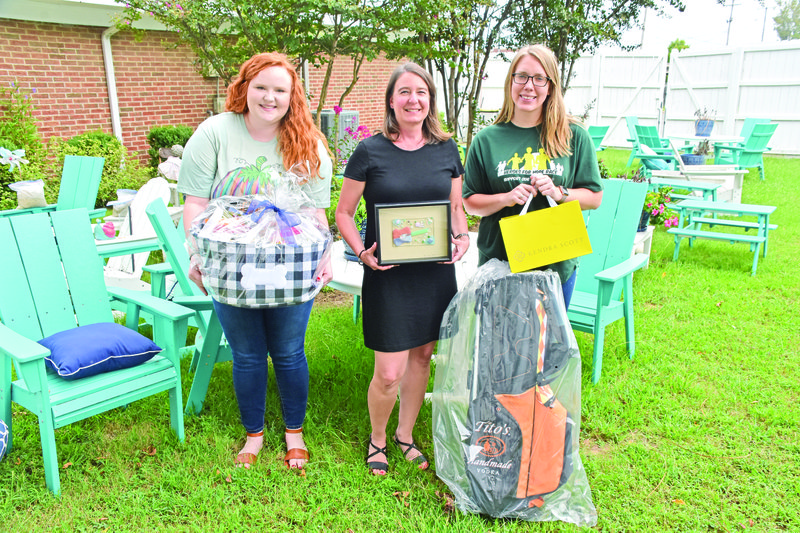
<point>555,134</point>
<point>432,131</point>
<point>298,135</point>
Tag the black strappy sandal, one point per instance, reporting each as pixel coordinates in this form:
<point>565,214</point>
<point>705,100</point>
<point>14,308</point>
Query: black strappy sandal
<point>376,465</point>
<point>420,460</point>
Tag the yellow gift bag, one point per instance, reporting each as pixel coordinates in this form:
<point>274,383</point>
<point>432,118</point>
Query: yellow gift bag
<point>546,236</point>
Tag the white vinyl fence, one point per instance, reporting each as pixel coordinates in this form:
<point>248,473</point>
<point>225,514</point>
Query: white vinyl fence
<point>759,82</point>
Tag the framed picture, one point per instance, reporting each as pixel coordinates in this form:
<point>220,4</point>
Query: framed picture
<point>413,232</point>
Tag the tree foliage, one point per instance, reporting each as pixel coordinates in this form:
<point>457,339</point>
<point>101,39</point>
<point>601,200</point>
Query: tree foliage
<point>454,39</point>
<point>461,35</point>
<point>572,28</point>
<point>225,33</point>
<point>787,21</point>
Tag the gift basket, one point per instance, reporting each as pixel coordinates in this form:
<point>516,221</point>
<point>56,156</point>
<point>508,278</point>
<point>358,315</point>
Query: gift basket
<point>262,250</point>
<point>507,400</point>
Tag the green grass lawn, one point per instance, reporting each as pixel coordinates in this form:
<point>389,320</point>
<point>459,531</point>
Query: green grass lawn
<point>699,432</point>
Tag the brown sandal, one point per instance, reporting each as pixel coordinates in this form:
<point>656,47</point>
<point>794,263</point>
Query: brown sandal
<point>246,459</point>
<point>296,453</point>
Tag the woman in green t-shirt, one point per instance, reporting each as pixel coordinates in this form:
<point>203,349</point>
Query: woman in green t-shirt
<point>533,148</point>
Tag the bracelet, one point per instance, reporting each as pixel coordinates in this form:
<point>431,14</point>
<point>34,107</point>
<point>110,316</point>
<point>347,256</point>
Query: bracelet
<point>361,252</point>
<point>456,237</point>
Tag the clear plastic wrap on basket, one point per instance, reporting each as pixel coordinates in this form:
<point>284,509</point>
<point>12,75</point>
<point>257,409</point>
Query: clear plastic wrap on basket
<point>262,250</point>
<point>507,400</point>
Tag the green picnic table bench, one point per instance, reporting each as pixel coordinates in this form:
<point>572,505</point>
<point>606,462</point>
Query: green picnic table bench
<point>709,190</point>
<point>693,218</point>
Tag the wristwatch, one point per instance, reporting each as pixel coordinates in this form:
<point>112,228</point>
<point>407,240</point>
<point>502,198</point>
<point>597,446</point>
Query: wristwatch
<point>564,191</point>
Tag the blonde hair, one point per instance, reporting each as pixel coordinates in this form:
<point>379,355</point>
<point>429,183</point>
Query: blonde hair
<point>432,131</point>
<point>298,135</point>
<point>555,133</point>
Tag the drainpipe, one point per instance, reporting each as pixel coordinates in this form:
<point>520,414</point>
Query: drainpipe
<point>111,81</point>
<point>306,83</point>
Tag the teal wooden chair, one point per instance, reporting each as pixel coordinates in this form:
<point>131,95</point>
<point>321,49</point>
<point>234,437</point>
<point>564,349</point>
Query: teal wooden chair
<point>751,153</point>
<point>80,181</point>
<point>598,134</point>
<point>652,143</point>
<point>722,151</point>
<point>210,346</point>
<point>604,286</point>
<point>654,152</point>
<point>53,282</point>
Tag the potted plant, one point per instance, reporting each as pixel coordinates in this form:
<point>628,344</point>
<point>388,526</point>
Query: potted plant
<point>705,121</point>
<point>698,155</point>
<point>655,209</point>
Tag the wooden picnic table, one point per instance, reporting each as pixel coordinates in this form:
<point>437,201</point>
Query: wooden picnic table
<point>693,218</point>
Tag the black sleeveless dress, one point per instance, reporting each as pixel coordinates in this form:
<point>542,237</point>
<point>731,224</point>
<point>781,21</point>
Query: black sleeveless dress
<point>403,306</point>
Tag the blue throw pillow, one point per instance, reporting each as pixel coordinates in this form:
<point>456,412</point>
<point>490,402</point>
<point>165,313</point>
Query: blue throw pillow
<point>88,350</point>
<point>3,439</point>
<point>652,164</point>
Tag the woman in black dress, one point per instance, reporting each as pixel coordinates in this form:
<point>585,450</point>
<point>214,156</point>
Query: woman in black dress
<point>410,160</point>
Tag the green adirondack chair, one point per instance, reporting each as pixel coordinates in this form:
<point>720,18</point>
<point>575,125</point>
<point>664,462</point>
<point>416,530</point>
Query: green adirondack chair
<point>80,180</point>
<point>654,152</point>
<point>722,151</point>
<point>598,133</point>
<point>53,282</point>
<point>210,346</point>
<point>660,148</point>
<point>750,155</point>
<point>606,275</point>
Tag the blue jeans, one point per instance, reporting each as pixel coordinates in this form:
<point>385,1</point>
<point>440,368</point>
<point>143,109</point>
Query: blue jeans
<point>255,334</point>
<point>568,288</point>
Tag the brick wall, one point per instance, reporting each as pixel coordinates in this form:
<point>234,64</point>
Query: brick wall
<point>156,86</point>
<point>366,97</point>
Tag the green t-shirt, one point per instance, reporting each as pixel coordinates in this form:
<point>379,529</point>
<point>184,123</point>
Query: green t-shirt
<point>222,143</point>
<point>504,155</point>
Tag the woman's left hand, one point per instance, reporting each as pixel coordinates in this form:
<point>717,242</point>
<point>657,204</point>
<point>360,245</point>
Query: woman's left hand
<point>462,245</point>
<point>544,185</point>
<point>325,272</point>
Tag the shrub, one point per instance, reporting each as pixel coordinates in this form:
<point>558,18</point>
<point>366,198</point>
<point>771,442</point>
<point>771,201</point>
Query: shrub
<point>18,131</point>
<point>119,172</point>
<point>166,137</point>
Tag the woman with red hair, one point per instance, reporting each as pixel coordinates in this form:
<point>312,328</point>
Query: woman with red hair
<point>267,128</point>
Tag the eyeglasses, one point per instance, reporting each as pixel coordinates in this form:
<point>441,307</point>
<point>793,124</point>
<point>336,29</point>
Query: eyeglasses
<point>522,79</point>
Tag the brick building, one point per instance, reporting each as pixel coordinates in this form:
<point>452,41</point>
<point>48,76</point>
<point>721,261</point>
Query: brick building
<point>57,47</point>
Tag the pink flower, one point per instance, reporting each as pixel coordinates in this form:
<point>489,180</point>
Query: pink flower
<point>337,109</point>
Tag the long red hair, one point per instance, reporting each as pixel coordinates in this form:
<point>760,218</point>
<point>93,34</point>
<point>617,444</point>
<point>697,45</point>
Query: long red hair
<point>298,135</point>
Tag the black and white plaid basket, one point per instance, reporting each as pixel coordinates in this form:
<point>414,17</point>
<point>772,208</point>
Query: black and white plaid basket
<point>250,275</point>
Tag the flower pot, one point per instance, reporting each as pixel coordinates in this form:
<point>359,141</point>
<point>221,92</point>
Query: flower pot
<point>693,159</point>
<point>349,254</point>
<point>643,221</point>
<point>702,128</point>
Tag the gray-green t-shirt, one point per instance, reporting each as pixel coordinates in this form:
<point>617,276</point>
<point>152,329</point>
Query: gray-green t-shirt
<point>222,144</point>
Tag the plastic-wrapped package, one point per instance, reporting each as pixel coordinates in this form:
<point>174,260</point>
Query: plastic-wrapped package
<point>30,193</point>
<point>507,400</point>
<point>262,250</point>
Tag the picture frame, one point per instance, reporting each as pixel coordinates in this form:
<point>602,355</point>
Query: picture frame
<point>413,232</point>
